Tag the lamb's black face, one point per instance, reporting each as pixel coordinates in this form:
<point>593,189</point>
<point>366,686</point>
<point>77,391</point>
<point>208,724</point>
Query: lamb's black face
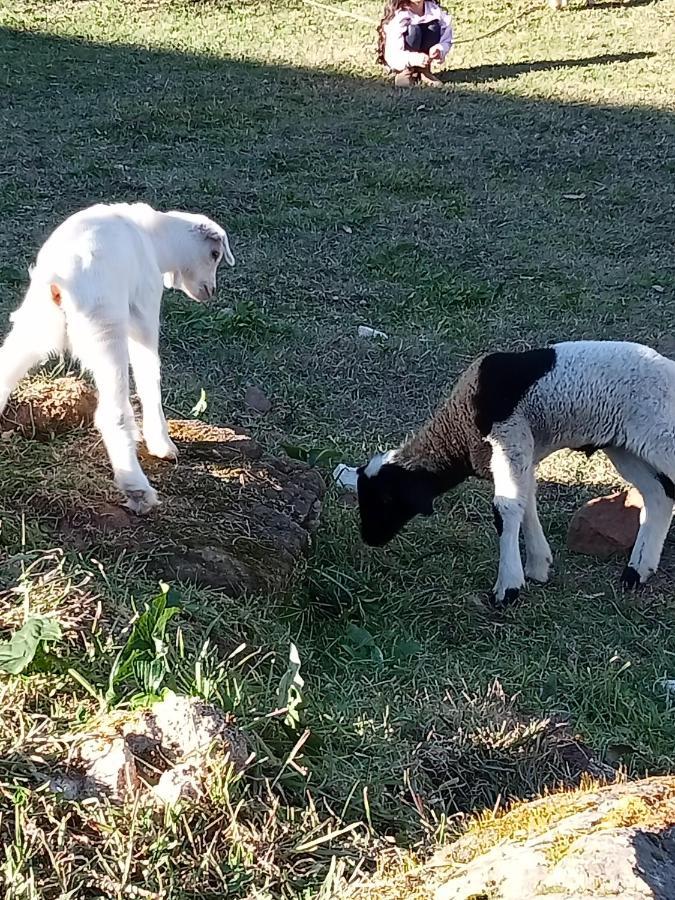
<point>389,498</point>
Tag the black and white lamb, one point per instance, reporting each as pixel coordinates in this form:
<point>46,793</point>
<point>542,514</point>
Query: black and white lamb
<point>510,410</point>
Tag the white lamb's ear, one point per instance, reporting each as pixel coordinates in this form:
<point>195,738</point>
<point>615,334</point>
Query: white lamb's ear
<point>227,253</point>
<point>218,237</point>
<point>168,279</point>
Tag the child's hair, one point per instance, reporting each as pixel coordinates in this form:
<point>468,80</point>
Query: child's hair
<point>390,11</point>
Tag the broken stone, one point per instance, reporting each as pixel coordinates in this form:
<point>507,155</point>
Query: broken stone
<point>167,748</point>
<point>230,517</point>
<point>257,400</point>
<point>365,331</point>
<point>187,725</point>
<point>182,782</point>
<point>110,767</point>
<point>345,477</point>
<point>606,525</point>
<point>42,408</point>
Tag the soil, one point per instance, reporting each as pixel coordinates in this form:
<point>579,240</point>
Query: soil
<point>230,517</point>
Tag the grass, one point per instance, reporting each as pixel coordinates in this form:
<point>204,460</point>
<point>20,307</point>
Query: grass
<point>530,200</point>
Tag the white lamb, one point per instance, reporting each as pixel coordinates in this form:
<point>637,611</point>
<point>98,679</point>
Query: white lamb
<point>510,410</point>
<point>95,290</point>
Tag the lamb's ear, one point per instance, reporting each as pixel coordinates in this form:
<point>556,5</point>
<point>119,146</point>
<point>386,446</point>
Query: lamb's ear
<point>218,238</point>
<point>227,253</point>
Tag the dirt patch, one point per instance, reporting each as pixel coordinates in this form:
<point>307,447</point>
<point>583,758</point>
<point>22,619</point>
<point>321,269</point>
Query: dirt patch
<point>230,517</point>
<point>42,408</point>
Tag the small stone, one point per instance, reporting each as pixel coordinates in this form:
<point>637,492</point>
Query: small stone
<point>606,525</point>
<point>69,787</point>
<point>257,400</point>
<point>365,331</point>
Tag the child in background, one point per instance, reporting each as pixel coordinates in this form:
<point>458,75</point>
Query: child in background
<point>412,35</point>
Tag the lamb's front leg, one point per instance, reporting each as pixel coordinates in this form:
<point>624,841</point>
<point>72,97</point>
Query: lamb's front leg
<point>512,472</point>
<point>508,514</point>
<point>146,368</point>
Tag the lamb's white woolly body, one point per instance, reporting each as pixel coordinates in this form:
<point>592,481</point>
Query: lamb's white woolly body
<point>603,393</point>
<point>95,290</point>
<point>511,410</point>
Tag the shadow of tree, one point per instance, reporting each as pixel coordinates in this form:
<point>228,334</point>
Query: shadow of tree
<point>481,74</point>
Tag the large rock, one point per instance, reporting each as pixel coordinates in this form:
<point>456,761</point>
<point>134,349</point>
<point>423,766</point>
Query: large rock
<point>230,517</point>
<point>606,525</point>
<point>42,407</point>
<point>612,842</point>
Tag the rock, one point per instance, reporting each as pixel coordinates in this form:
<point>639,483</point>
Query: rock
<point>44,407</point>
<point>168,748</point>
<point>182,782</point>
<point>109,767</point>
<point>365,331</point>
<point>230,517</point>
<point>187,725</point>
<point>606,525</point>
<point>257,400</point>
<point>345,477</point>
<point>612,842</point>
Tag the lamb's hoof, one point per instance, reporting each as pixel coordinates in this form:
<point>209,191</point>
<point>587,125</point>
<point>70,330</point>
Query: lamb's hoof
<point>630,579</point>
<point>162,449</point>
<point>509,598</point>
<point>539,572</point>
<point>142,501</point>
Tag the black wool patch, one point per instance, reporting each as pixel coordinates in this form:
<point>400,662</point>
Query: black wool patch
<point>668,486</point>
<point>503,381</point>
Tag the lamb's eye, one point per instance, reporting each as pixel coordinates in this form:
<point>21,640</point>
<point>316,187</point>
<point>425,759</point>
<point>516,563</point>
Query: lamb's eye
<point>214,254</point>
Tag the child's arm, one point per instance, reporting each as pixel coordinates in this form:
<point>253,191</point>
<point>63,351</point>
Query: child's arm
<point>395,54</point>
<point>440,50</point>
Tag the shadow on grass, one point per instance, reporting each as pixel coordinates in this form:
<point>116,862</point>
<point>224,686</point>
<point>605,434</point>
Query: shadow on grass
<point>482,74</point>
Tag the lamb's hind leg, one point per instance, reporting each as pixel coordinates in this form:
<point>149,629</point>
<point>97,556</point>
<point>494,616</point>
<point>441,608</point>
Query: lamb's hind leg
<point>657,492</point>
<point>538,557</point>
<point>33,337</point>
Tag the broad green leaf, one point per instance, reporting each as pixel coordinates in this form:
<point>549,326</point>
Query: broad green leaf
<point>289,694</point>
<point>18,653</point>
<point>359,637</point>
<point>327,456</point>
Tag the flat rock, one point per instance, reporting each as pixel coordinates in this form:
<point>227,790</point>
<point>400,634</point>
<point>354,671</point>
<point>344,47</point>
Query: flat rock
<point>606,525</point>
<point>613,842</point>
<point>230,517</point>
